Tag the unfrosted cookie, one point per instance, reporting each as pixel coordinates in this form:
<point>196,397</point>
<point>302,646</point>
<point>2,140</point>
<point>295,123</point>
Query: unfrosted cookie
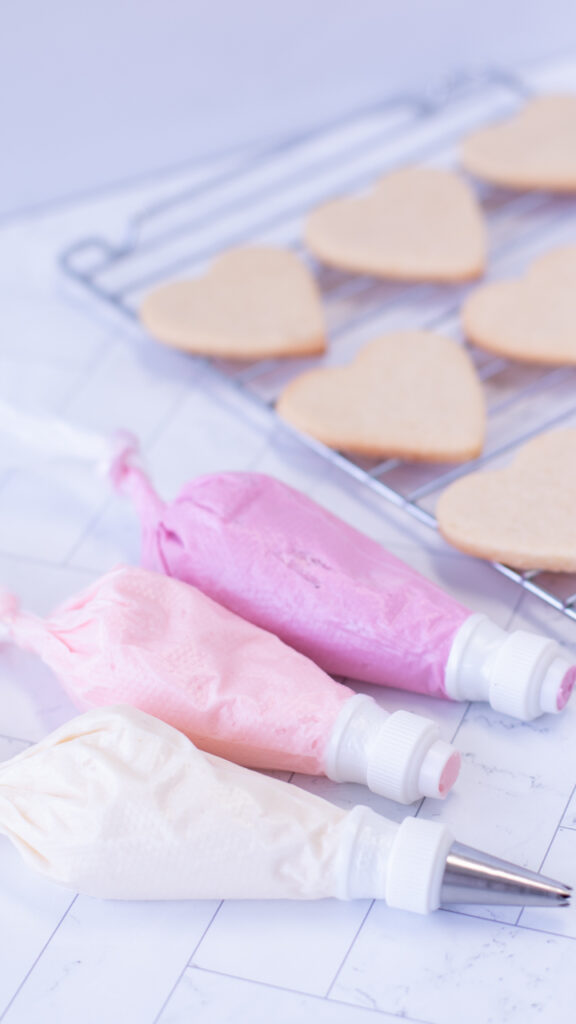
<point>410,394</point>
<point>524,515</point>
<point>417,224</point>
<point>532,318</point>
<point>253,303</point>
<point>536,149</point>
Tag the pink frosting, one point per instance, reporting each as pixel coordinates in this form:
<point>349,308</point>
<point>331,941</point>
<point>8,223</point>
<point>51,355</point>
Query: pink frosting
<point>139,638</point>
<point>566,687</point>
<point>272,555</point>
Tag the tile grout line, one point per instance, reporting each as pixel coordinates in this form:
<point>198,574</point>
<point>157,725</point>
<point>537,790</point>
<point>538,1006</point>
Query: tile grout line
<point>42,563</point>
<point>187,965</point>
<point>507,924</point>
<point>16,739</point>
<point>38,958</point>
<point>516,607</point>
<point>558,826</point>
<point>349,950</point>
<point>552,840</point>
<point>308,995</point>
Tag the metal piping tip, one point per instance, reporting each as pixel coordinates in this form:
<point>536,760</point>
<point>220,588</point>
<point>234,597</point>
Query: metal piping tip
<point>471,876</point>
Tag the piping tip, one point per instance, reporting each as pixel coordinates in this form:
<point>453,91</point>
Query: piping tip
<point>471,876</point>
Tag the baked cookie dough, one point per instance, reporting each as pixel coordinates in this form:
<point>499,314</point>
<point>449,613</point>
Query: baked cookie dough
<point>535,149</point>
<point>417,224</point>
<point>410,394</point>
<point>532,318</point>
<point>523,515</point>
<point>255,302</point>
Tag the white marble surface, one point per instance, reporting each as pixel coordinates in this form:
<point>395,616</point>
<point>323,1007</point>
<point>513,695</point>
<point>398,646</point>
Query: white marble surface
<point>70,959</point>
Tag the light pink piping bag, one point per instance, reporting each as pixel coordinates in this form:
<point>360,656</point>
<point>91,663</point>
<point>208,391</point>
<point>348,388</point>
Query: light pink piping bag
<point>274,556</point>
<point>144,639</point>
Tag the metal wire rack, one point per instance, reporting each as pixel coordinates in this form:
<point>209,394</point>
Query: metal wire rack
<point>265,197</point>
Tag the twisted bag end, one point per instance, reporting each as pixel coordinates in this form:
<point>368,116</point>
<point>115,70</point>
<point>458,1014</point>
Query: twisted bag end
<point>124,454</point>
<point>9,610</point>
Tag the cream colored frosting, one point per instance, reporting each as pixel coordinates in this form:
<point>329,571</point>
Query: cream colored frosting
<point>118,804</point>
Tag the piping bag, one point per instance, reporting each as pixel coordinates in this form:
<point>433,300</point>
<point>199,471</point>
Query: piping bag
<point>274,556</point>
<point>140,638</point>
<point>119,805</point>
<point>280,560</point>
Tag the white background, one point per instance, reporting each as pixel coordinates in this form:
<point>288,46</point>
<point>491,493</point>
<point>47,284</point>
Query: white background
<point>94,92</point>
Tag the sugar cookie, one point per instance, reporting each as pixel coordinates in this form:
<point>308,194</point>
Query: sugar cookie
<point>410,394</point>
<point>532,318</point>
<point>535,149</point>
<point>523,515</point>
<point>417,224</point>
<point>253,303</point>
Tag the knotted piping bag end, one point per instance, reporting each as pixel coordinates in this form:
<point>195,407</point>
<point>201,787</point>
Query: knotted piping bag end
<point>124,452</point>
<point>9,609</point>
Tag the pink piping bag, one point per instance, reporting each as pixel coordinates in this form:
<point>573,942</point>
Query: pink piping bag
<point>144,639</point>
<point>275,557</point>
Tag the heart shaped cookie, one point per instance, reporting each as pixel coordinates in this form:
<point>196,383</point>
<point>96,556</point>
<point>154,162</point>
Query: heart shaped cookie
<point>536,149</point>
<point>523,515</point>
<point>418,224</point>
<point>253,303</point>
<point>531,318</point>
<point>410,394</point>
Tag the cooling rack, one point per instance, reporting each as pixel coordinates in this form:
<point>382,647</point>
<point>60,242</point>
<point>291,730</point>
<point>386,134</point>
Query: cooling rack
<point>264,199</point>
